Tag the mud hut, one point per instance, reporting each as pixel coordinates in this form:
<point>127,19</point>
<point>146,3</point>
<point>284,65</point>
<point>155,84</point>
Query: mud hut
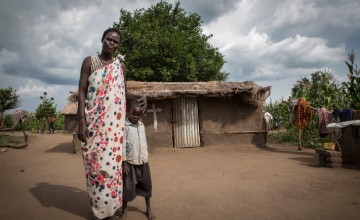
<point>70,112</point>
<point>193,114</point>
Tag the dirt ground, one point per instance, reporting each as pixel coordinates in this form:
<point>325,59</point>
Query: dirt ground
<point>47,181</point>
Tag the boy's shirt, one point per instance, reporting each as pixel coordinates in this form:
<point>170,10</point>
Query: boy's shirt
<point>135,151</point>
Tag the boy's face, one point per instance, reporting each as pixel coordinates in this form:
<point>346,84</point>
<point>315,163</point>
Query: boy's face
<point>135,114</point>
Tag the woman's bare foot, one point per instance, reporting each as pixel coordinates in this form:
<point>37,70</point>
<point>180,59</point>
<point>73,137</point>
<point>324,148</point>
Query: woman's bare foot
<point>150,215</point>
<point>124,215</point>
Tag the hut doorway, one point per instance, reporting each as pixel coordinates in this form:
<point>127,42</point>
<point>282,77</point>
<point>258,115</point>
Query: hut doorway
<point>186,122</point>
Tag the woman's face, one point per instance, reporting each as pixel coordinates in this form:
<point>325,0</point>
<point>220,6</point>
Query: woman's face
<point>111,42</point>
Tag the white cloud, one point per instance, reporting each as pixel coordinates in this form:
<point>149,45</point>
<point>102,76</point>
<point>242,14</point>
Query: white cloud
<point>303,51</point>
<point>33,90</point>
<point>30,94</point>
<point>256,57</point>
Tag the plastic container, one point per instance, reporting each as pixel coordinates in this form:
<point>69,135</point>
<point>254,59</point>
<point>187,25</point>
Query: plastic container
<point>329,146</point>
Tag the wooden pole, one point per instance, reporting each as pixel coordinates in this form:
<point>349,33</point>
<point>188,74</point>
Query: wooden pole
<point>299,139</point>
<point>312,108</point>
<point>23,131</point>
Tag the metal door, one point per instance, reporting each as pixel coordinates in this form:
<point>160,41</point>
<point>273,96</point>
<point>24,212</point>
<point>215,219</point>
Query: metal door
<point>186,122</point>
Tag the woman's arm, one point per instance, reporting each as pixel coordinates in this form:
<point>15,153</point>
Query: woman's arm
<point>83,85</point>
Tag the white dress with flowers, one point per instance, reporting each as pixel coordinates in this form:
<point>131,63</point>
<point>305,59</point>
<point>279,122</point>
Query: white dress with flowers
<point>105,119</point>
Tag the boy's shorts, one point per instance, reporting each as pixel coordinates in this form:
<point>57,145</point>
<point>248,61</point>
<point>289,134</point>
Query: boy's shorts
<point>137,182</point>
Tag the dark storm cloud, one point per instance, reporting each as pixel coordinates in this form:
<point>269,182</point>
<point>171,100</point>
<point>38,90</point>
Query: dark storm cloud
<point>31,70</point>
<point>210,10</point>
<point>43,40</point>
<point>19,19</point>
<point>335,21</point>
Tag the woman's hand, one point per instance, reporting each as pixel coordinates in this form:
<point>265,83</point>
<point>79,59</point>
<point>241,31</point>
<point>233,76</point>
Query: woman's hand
<point>142,103</point>
<point>83,133</point>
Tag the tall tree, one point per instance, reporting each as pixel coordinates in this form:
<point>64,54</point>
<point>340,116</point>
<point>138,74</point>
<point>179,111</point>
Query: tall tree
<point>166,43</point>
<point>46,109</point>
<point>8,100</point>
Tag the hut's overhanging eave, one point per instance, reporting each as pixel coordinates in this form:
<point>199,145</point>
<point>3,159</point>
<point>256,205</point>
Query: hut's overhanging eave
<point>161,90</point>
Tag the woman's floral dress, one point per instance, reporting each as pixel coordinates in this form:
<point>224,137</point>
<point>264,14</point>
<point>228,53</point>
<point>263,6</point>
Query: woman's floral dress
<point>105,118</point>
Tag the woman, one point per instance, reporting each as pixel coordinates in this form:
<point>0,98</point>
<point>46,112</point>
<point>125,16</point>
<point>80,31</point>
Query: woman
<point>101,124</point>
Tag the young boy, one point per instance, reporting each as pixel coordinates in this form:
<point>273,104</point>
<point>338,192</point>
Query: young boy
<point>136,170</point>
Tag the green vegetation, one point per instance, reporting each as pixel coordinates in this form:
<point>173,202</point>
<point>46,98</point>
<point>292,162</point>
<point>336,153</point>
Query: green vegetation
<point>6,139</point>
<point>166,44</point>
<point>43,112</point>
<point>351,88</point>
<point>8,100</point>
<point>321,90</point>
<point>33,122</point>
<point>37,120</point>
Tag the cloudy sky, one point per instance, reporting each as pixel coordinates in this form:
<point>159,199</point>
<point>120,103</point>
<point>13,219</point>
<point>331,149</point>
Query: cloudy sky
<point>271,42</point>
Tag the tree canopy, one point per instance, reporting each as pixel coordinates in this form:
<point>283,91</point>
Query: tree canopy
<point>46,109</point>
<point>166,43</point>
<point>8,99</point>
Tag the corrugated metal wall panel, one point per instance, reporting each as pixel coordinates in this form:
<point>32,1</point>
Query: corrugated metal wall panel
<point>186,122</point>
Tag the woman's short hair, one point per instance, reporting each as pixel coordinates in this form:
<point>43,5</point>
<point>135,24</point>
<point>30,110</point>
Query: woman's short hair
<point>110,30</point>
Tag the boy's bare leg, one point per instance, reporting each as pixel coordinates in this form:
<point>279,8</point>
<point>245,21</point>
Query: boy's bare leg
<point>149,213</point>
<point>124,210</point>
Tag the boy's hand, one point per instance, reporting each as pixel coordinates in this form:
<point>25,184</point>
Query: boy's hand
<point>125,169</point>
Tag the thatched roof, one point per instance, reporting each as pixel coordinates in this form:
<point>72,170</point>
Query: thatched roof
<point>72,104</point>
<point>249,91</point>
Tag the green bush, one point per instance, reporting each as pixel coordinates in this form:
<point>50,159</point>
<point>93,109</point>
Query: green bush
<point>321,90</point>
<point>32,122</point>
<point>8,139</point>
<point>310,138</point>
